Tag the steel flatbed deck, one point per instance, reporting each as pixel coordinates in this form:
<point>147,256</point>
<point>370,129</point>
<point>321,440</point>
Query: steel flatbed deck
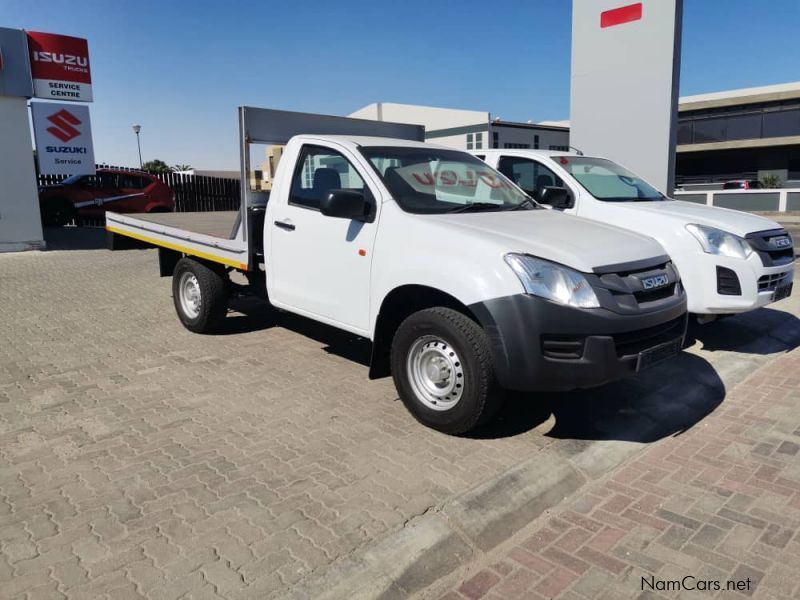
<point>214,236</point>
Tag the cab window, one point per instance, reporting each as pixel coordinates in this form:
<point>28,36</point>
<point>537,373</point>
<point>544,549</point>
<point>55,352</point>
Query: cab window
<point>319,171</point>
<point>528,174</point>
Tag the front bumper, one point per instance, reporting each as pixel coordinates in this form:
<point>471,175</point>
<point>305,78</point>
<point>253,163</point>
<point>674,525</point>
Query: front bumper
<point>757,283</point>
<point>538,345</point>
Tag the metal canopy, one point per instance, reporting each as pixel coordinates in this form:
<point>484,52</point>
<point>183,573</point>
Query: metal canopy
<point>268,126</point>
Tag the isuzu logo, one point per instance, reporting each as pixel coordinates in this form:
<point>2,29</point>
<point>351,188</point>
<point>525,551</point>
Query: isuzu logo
<point>781,242</point>
<point>63,125</point>
<point>656,281</point>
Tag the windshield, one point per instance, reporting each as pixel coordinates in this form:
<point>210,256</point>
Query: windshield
<point>606,180</point>
<point>435,181</point>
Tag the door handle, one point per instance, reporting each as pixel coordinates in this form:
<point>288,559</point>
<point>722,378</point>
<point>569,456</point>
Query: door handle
<point>284,225</point>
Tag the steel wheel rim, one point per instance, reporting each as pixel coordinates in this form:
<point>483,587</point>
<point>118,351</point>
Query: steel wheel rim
<point>436,372</point>
<point>189,294</point>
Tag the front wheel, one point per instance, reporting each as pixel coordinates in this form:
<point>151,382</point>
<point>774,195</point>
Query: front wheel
<point>443,370</point>
<point>200,294</point>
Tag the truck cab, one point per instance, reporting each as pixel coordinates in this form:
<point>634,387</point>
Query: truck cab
<point>463,284</point>
<point>730,261</point>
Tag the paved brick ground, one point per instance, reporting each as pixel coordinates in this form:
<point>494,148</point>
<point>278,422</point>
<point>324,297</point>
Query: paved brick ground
<point>720,502</point>
<point>139,460</point>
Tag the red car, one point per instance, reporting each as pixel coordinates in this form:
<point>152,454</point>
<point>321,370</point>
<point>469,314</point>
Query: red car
<point>90,196</point>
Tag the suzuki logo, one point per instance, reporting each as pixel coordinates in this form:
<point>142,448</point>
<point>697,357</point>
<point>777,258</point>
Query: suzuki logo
<point>649,283</point>
<point>63,122</point>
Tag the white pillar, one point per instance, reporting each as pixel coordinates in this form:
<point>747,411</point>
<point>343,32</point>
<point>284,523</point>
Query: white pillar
<point>20,223</point>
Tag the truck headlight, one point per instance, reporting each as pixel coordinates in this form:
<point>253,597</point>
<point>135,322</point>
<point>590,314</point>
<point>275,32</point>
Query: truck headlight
<point>716,241</point>
<point>552,281</point>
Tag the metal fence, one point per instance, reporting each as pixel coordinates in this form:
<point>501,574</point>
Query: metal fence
<point>192,192</point>
<point>764,200</point>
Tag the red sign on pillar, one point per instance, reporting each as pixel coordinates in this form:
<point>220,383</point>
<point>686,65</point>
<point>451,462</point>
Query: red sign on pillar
<point>60,67</point>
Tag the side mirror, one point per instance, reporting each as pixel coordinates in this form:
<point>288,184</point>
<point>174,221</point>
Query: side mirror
<point>345,204</point>
<point>557,197</point>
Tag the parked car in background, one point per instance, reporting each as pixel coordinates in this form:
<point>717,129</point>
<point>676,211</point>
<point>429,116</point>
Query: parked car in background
<point>730,261</point>
<point>90,196</point>
<point>742,184</point>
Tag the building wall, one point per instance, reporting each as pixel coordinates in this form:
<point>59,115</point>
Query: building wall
<point>433,118</point>
<point>20,224</point>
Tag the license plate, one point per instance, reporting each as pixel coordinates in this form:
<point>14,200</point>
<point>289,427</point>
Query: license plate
<point>651,356</point>
<point>782,291</point>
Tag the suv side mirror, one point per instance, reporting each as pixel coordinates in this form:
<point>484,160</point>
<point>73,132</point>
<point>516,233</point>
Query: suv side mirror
<point>345,204</point>
<point>557,197</point>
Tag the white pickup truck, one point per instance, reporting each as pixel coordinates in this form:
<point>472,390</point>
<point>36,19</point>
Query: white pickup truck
<point>462,283</point>
<point>729,261</point>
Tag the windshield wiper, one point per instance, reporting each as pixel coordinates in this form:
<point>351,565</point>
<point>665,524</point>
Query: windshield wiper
<point>476,206</point>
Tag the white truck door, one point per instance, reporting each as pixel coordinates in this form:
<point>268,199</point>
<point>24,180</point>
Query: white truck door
<point>533,177</point>
<point>321,265</point>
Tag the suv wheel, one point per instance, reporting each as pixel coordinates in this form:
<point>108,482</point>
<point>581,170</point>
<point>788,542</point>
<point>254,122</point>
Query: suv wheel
<point>57,212</point>
<point>443,370</point>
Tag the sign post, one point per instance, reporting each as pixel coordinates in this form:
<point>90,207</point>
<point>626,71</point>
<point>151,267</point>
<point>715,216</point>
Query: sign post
<point>63,135</point>
<point>60,67</point>
<point>625,74</point>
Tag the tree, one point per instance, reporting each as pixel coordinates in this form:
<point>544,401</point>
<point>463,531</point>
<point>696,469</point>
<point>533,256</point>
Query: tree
<point>181,167</point>
<point>156,166</point>
<point>771,180</point>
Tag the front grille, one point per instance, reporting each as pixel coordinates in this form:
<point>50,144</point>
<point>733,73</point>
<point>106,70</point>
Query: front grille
<point>728,283</point>
<point>633,342</point>
<point>562,347</point>
<point>767,283</point>
<point>762,242</point>
<point>654,295</point>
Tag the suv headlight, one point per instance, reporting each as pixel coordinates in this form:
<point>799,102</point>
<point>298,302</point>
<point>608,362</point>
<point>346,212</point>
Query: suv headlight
<point>716,241</point>
<point>552,281</point>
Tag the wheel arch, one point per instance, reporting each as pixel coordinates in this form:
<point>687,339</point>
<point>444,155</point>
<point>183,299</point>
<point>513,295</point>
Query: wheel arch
<point>397,305</point>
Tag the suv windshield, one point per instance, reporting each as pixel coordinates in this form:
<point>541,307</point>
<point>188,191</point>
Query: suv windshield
<point>435,181</point>
<point>606,180</point>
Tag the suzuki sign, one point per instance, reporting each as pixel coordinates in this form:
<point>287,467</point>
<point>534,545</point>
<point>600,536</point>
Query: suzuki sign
<point>60,67</point>
<point>63,138</point>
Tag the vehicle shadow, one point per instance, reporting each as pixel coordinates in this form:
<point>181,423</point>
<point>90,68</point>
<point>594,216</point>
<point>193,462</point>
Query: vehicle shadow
<point>665,400</point>
<point>74,238</point>
<point>763,331</point>
<point>253,314</point>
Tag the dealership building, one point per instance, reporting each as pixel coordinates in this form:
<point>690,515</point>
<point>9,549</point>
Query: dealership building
<point>737,134</point>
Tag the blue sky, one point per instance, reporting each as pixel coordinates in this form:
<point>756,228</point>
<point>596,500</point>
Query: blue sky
<point>181,68</point>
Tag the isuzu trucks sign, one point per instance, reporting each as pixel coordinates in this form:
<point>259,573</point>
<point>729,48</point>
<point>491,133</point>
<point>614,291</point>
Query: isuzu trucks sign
<point>60,67</point>
<point>63,138</point>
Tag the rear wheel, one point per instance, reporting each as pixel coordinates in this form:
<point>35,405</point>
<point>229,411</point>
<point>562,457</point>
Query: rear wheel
<point>443,370</point>
<point>57,212</point>
<point>200,294</point>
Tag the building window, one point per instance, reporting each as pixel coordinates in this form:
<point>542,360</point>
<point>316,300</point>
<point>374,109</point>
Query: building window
<point>495,139</point>
<point>559,148</point>
<point>469,141</point>
<point>516,146</point>
<point>478,141</point>
<point>536,141</point>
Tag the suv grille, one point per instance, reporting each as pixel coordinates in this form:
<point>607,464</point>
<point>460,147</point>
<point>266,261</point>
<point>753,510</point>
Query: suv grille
<point>768,283</point>
<point>633,342</point>
<point>764,243</point>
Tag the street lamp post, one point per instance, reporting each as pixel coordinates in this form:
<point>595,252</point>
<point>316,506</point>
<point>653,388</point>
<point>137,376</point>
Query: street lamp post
<point>136,129</point>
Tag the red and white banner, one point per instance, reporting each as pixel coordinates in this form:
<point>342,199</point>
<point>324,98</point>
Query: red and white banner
<point>63,135</point>
<point>60,67</point>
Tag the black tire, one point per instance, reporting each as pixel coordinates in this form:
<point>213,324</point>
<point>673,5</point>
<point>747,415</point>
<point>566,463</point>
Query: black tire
<point>213,287</point>
<point>481,395</point>
<point>57,212</point>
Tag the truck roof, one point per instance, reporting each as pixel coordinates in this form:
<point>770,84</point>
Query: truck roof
<point>526,151</point>
<point>363,140</point>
